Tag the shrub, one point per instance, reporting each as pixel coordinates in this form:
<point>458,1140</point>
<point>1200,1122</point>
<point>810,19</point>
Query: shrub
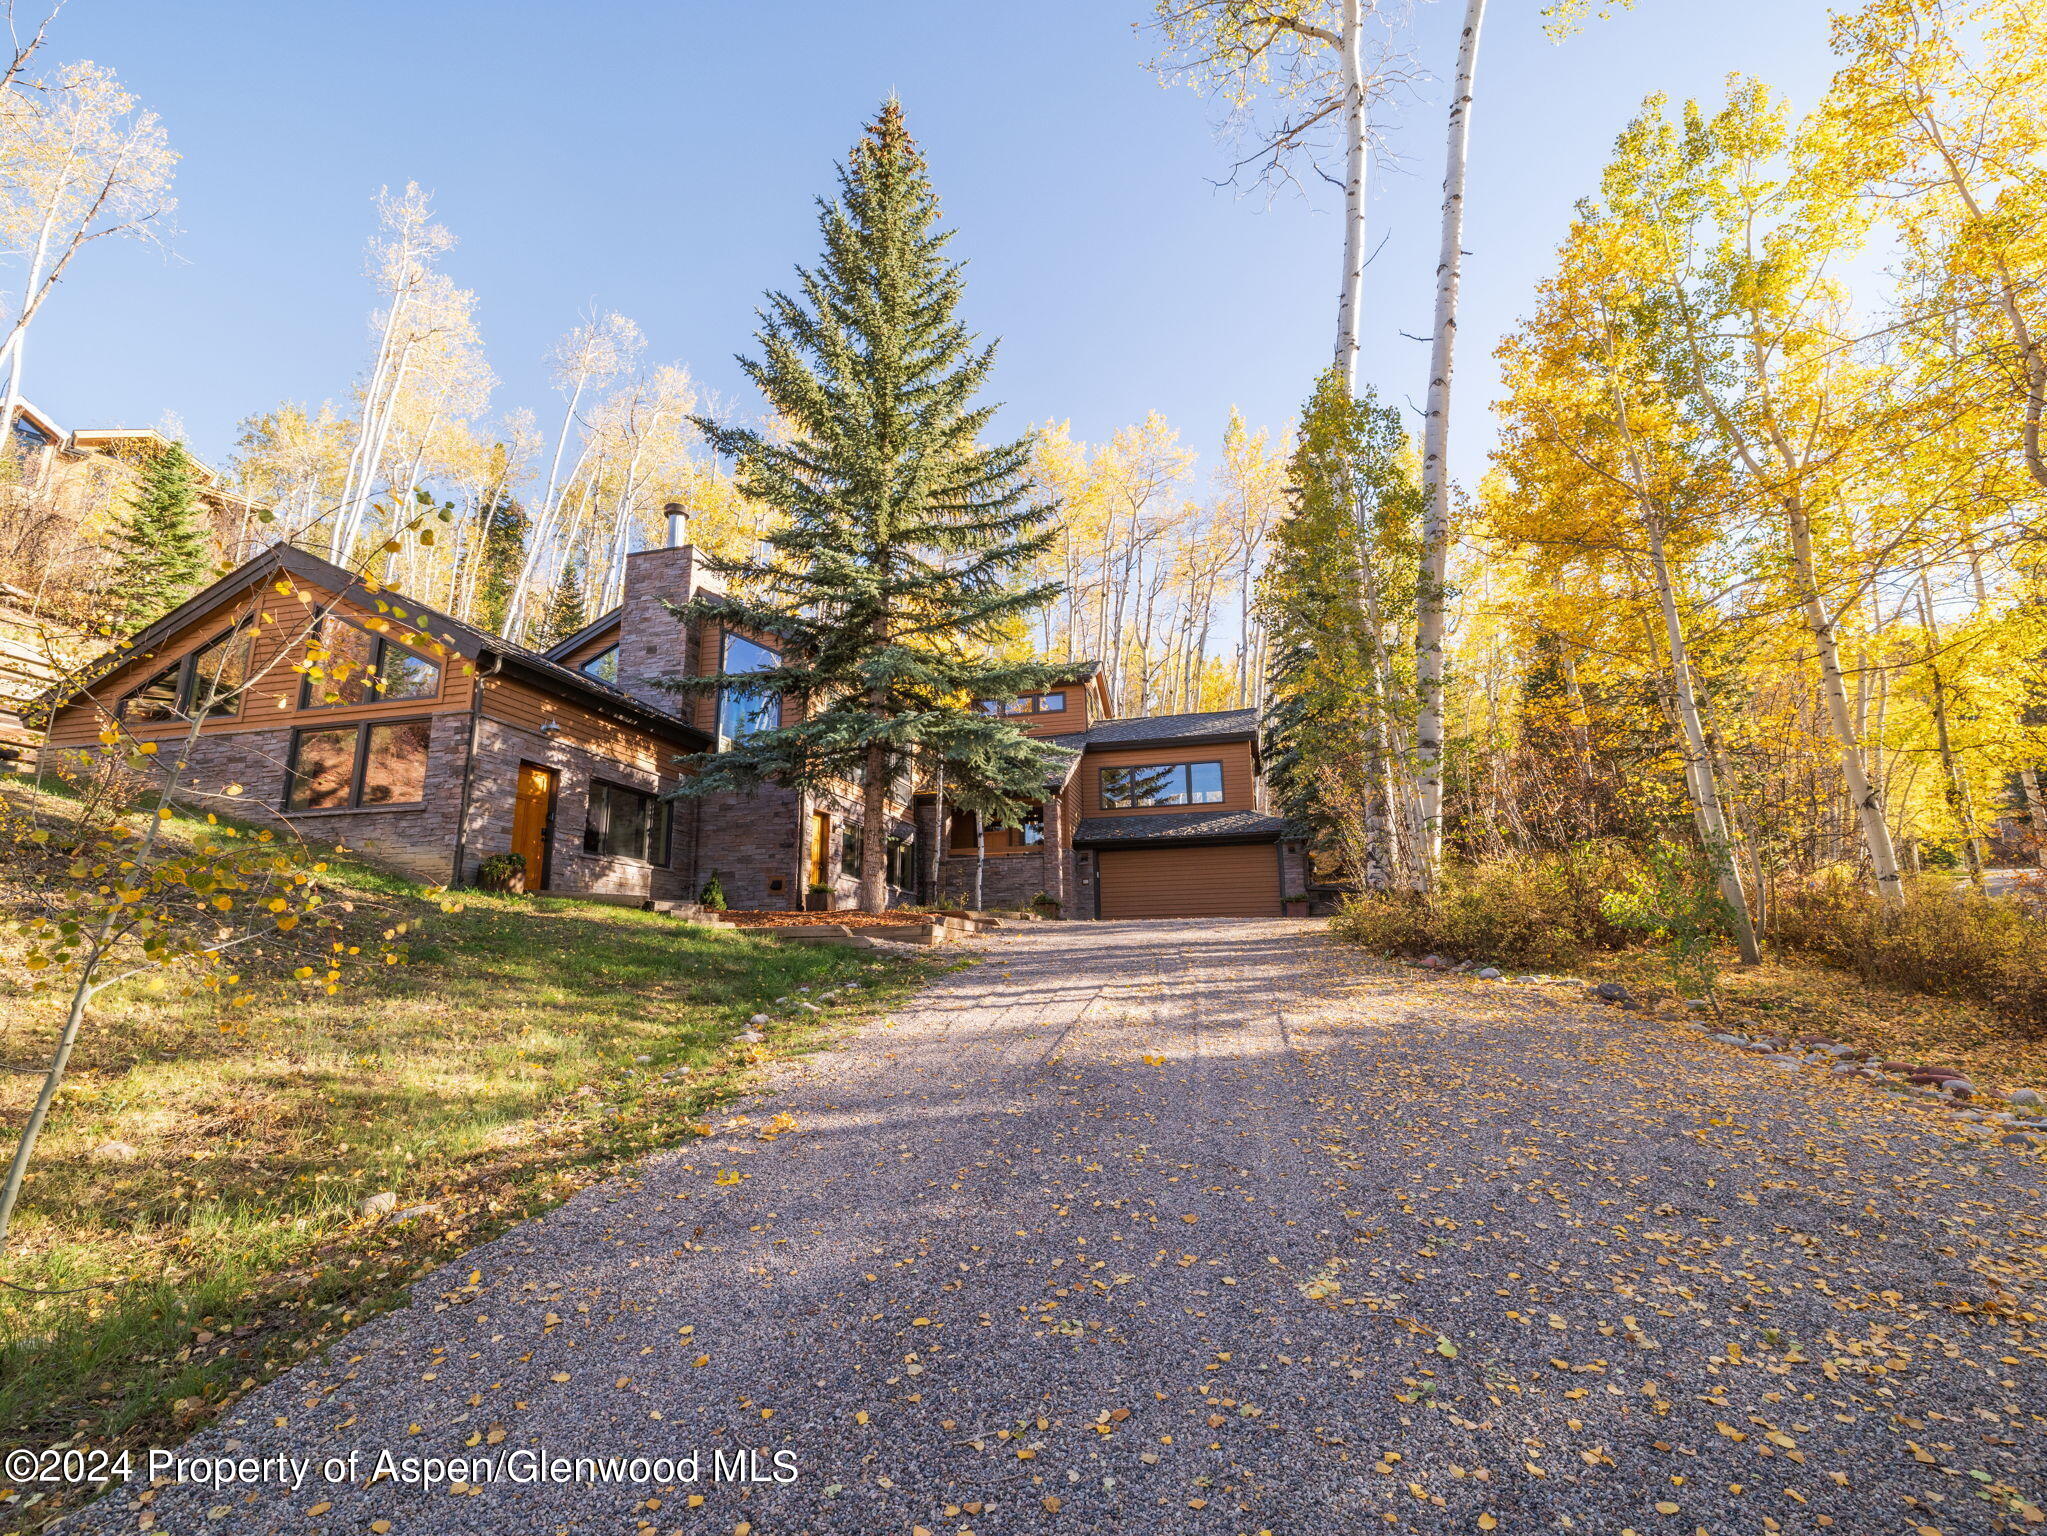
<point>1947,940</point>
<point>502,872</point>
<point>1536,910</point>
<point>712,896</point>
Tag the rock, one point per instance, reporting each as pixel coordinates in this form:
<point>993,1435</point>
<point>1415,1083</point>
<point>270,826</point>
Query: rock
<point>2027,1098</point>
<point>413,1212</point>
<point>1612,992</point>
<point>761,1018</point>
<point>1899,1067</point>
<point>1434,962</point>
<point>643,1060</point>
<point>114,1152</point>
<point>1959,1087</point>
<point>752,1036</point>
<point>380,1204</point>
<point>1728,1039</point>
<point>1814,1041</point>
<point>1490,973</point>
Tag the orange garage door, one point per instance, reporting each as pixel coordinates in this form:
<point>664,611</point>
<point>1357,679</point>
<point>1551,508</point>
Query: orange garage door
<point>1241,881</point>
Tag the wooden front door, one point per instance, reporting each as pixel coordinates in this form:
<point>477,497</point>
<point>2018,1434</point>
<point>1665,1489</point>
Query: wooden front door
<point>533,820</point>
<point>820,848</point>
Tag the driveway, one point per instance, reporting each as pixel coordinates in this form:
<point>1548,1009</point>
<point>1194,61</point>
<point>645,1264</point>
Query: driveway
<point>1207,1226</point>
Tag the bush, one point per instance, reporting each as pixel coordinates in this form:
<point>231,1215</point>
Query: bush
<point>1536,910</point>
<point>1947,940</point>
<point>502,872</point>
<point>712,896</point>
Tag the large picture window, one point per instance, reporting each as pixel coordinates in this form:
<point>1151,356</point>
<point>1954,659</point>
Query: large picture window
<point>626,824</point>
<point>205,684</point>
<point>741,713</point>
<point>356,667</point>
<point>1131,789</point>
<point>346,767</point>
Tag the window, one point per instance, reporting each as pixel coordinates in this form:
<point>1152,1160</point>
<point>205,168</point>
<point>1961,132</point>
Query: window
<point>741,714</point>
<point>902,867</point>
<point>207,682</point>
<point>849,852</point>
<point>603,666</point>
<point>346,767</point>
<point>1031,831</point>
<point>1165,784</point>
<point>626,824</point>
<point>353,666</point>
<point>1025,704</point>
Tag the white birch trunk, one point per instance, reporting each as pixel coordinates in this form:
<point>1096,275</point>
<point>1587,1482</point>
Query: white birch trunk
<point>1431,597</point>
<point>1350,294</point>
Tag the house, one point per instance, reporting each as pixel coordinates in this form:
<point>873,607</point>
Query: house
<point>433,745</point>
<point>1157,816</point>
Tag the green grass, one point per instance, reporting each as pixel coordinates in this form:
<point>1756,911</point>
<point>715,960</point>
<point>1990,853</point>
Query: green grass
<point>489,1078</point>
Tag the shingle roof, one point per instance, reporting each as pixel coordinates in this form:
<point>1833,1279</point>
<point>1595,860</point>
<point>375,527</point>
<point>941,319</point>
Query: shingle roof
<point>1183,827</point>
<point>1219,725</point>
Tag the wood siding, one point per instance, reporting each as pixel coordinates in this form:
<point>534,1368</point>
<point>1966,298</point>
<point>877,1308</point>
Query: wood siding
<point>274,699</point>
<point>591,648</point>
<point>522,705</point>
<point>1240,790</point>
<point>1237,881</point>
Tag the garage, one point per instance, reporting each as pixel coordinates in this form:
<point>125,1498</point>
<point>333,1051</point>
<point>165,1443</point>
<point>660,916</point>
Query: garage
<point>1240,880</point>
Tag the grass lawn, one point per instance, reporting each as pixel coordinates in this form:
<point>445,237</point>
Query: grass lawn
<point>530,1046</point>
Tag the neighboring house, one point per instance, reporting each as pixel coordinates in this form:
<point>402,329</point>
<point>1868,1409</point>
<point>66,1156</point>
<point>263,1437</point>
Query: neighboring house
<point>80,475</point>
<point>443,745</point>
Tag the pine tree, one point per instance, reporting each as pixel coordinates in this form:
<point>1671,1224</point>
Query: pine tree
<point>1337,601</point>
<point>566,610</point>
<point>163,550</point>
<point>498,559</point>
<point>900,566</point>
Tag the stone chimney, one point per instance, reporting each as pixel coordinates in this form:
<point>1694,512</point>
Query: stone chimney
<point>652,646</point>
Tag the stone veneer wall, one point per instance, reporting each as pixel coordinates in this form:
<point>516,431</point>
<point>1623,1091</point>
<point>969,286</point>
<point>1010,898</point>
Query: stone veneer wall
<point>747,841</point>
<point>1011,880</point>
<point>419,841</point>
<point>493,795</point>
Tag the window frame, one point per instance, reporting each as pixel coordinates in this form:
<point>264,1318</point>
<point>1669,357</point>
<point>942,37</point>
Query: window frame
<point>728,696</point>
<point>586,667</point>
<point>373,672</point>
<point>1183,770</point>
<point>357,769</point>
<point>186,669</point>
<point>1002,708</point>
<point>659,838</point>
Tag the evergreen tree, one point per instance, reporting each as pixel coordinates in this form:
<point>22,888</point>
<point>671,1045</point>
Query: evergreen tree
<point>499,557</point>
<point>566,610</point>
<point>1337,601</point>
<point>163,549</point>
<point>900,565</point>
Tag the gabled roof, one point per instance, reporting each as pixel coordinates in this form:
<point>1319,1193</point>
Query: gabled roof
<point>1182,827</point>
<point>462,639</point>
<point>570,644</point>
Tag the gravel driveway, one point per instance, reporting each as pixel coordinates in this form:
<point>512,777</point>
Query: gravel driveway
<point>1203,1226</point>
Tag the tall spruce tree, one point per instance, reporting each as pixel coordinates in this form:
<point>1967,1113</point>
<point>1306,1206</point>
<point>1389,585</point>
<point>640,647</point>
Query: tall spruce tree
<point>1337,601</point>
<point>499,556</point>
<point>903,558</point>
<point>164,547</point>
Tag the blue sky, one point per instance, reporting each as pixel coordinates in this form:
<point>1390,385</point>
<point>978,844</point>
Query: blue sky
<point>659,157</point>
